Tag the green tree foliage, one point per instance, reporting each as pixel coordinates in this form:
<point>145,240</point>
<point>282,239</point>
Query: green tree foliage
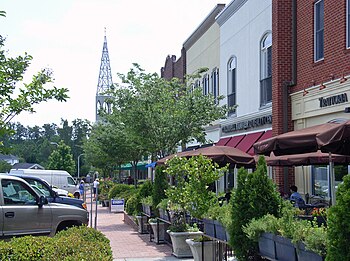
<point>62,159</point>
<point>160,113</point>
<point>15,99</point>
<point>159,186</point>
<point>255,196</point>
<point>338,224</point>
<point>193,176</point>
<point>5,166</point>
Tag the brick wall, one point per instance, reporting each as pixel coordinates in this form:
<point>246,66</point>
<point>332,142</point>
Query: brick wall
<point>173,68</point>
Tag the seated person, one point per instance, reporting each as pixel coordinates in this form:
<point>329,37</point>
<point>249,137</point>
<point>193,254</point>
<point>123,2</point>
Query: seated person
<point>296,198</point>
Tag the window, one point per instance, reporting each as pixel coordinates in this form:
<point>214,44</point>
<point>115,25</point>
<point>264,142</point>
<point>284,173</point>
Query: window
<point>319,30</point>
<point>215,84</point>
<point>266,70</point>
<point>231,85</point>
<point>205,84</point>
<point>71,181</point>
<point>348,24</point>
<point>16,193</point>
<point>320,185</point>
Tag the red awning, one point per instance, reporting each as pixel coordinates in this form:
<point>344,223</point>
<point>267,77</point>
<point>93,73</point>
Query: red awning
<point>223,141</point>
<point>234,141</point>
<point>247,143</point>
<point>266,135</point>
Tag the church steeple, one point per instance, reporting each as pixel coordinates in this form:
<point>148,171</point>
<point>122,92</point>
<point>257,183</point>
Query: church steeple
<point>104,80</point>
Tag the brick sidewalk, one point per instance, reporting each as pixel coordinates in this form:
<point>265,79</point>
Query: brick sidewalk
<point>127,243</point>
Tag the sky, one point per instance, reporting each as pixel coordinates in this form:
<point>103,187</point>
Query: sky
<point>67,37</point>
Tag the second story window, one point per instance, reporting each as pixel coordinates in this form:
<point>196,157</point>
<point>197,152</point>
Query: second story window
<point>231,84</point>
<point>266,70</point>
<point>205,84</point>
<point>215,84</point>
<point>318,30</point>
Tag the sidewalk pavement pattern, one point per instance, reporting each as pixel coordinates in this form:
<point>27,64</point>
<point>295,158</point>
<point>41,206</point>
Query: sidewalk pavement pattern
<point>126,243</point>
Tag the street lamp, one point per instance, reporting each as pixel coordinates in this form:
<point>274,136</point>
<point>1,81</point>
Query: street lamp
<point>79,164</point>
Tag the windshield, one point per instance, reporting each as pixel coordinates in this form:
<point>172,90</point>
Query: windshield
<point>36,184</point>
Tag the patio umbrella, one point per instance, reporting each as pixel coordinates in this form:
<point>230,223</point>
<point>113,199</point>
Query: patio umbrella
<point>312,158</point>
<point>335,139</point>
<point>219,154</point>
<point>179,154</point>
<point>305,140</point>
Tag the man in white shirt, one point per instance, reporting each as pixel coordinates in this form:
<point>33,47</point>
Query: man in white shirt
<point>95,186</point>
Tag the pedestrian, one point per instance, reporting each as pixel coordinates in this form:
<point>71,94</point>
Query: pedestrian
<point>81,188</point>
<point>95,186</point>
<point>295,197</point>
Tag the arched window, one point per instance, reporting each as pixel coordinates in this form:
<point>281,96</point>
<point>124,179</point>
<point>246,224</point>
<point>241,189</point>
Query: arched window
<point>231,84</point>
<point>266,70</point>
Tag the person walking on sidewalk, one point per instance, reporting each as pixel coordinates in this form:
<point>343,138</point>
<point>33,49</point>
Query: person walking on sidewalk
<point>95,186</point>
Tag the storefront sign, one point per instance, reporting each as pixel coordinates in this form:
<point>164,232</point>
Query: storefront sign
<point>117,205</point>
<point>243,125</point>
<point>333,100</point>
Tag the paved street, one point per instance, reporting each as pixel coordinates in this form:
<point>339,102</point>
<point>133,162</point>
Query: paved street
<point>126,243</point>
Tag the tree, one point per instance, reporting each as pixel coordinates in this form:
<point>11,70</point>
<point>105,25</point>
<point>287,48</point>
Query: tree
<point>62,158</point>
<point>162,114</point>
<point>255,196</point>
<point>5,167</point>
<point>14,99</point>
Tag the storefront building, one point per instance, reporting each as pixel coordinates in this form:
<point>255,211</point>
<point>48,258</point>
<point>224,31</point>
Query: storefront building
<point>311,85</point>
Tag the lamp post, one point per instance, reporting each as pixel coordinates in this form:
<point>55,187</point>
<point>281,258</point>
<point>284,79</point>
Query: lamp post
<point>79,164</point>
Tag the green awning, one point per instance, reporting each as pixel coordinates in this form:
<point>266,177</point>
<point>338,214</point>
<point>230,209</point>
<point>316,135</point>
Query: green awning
<point>140,166</point>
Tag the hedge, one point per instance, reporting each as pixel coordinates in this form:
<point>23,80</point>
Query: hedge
<point>76,243</point>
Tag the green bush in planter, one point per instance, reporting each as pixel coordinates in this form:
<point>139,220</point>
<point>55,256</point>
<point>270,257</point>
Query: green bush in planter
<point>193,177</point>
<point>133,205</point>
<point>159,186</point>
<point>255,196</point>
<point>338,223</point>
<point>146,189</point>
<point>77,243</point>
<point>122,191</point>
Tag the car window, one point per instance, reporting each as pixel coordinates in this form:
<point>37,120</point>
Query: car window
<point>70,181</point>
<point>16,193</point>
<point>40,186</point>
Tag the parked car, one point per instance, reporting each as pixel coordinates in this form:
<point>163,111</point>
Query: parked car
<point>49,192</point>
<point>59,178</point>
<point>24,212</point>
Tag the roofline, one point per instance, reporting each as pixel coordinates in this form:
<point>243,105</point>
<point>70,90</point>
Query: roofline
<point>204,26</point>
<point>229,10</point>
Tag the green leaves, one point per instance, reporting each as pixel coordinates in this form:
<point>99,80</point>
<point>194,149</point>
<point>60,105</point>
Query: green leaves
<point>14,99</point>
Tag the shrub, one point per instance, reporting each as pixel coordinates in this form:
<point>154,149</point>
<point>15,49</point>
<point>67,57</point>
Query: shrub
<point>133,205</point>
<point>159,186</point>
<point>255,196</point>
<point>104,188</point>
<point>338,224</point>
<point>89,244</point>
<point>121,191</point>
<point>145,189</point>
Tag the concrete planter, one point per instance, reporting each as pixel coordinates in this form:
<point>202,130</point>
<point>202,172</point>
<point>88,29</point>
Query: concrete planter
<point>158,232</point>
<point>267,247</point>
<point>142,224</point>
<point>180,247</point>
<point>196,248</point>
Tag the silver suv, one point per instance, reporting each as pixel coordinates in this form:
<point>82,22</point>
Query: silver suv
<point>24,212</point>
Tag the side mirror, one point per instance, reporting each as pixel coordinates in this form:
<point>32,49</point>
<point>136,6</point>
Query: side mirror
<point>42,201</point>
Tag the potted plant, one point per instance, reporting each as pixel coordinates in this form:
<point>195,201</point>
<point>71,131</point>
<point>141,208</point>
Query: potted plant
<point>158,228</point>
<point>202,248</point>
<point>255,196</point>
<point>147,206</point>
<point>104,188</point>
<point>190,196</point>
<point>158,192</point>
<point>163,210</point>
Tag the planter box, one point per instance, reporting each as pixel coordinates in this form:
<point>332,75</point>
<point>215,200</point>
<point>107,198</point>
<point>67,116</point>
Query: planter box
<point>180,247</point>
<point>285,250</point>
<point>209,227</point>
<point>105,203</point>
<point>196,248</point>
<point>267,247</point>
<point>305,255</point>
<point>142,224</point>
<point>147,209</point>
<point>158,232</point>
<point>220,231</point>
<point>164,214</point>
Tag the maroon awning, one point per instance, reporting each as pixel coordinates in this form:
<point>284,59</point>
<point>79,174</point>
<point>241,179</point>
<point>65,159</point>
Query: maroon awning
<point>223,141</point>
<point>266,135</point>
<point>234,141</point>
<point>248,141</point>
